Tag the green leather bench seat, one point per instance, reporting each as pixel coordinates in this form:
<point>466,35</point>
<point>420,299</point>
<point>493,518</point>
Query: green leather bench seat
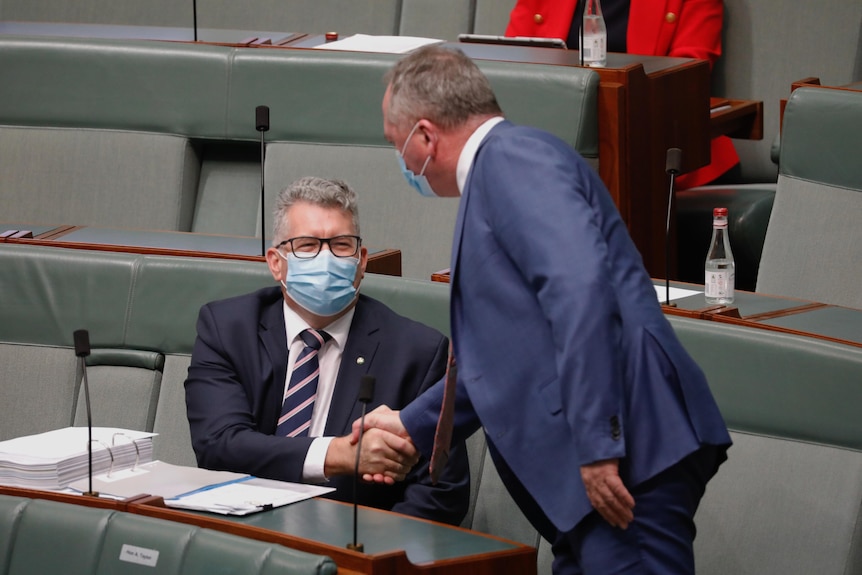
<point>161,135</point>
<point>41,536</point>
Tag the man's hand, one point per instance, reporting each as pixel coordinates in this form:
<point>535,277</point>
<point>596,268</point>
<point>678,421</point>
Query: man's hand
<point>607,493</point>
<point>381,418</point>
<point>385,419</point>
<point>385,457</point>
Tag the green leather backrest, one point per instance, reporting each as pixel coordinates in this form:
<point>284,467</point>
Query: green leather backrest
<point>47,294</point>
<point>162,87</point>
<point>211,92</point>
<point>51,537</point>
<point>822,137</point>
<point>779,384</point>
<point>811,249</point>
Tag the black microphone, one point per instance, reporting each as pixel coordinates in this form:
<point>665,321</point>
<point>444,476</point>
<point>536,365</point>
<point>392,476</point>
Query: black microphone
<point>195,18</point>
<point>366,392</point>
<point>82,350</point>
<point>672,167</point>
<point>261,123</point>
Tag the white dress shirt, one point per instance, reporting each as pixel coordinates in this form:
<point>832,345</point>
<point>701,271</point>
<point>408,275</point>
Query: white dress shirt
<point>468,152</point>
<point>329,358</point>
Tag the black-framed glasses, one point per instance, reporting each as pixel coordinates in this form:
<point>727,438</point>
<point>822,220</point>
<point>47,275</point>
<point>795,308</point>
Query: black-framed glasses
<point>307,247</point>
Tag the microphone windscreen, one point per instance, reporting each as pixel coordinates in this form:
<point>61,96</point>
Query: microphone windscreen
<point>674,161</point>
<point>261,118</point>
<point>82,342</point>
<point>366,388</point>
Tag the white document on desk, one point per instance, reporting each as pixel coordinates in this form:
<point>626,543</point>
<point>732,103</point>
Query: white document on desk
<point>675,293</point>
<point>384,44</point>
<point>245,496</point>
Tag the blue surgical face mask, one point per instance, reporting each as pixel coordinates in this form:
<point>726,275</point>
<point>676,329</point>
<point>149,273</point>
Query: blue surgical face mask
<point>420,182</point>
<point>323,284</point>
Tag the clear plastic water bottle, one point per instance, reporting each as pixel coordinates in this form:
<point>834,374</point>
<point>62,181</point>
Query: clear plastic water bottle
<point>720,267</point>
<point>594,50</point>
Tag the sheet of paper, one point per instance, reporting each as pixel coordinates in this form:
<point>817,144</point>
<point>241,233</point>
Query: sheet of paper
<point>384,44</point>
<point>245,496</point>
<point>675,293</point>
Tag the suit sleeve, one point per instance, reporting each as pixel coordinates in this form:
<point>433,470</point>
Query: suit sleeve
<point>448,499</point>
<point>698,34</point>
<point>221,394</point>
<point>547,211</point>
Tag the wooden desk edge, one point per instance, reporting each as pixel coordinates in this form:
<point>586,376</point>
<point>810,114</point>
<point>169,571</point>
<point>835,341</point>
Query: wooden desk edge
<point>385,262</point>
<point>741,119</point>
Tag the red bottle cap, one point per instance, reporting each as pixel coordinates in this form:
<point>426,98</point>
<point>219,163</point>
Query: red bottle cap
<point>331,36</point>
<point>719,213</point>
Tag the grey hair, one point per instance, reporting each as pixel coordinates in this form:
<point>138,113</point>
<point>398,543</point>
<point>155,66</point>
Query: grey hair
<point>326,193</point>
<point>440,84</point>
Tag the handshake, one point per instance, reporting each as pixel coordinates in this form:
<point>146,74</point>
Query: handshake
<point>387,453</point>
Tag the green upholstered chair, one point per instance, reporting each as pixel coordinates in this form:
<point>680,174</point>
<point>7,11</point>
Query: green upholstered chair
<point>812,245</point>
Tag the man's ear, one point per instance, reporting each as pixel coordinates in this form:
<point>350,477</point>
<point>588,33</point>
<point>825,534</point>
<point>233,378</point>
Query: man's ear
<point>430,134</point>
<point>276,264</point>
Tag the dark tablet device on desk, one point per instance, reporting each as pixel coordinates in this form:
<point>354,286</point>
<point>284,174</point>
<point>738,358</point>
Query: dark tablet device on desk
<point>513,40</point>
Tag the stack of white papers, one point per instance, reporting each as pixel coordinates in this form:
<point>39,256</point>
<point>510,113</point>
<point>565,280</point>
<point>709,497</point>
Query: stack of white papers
<point>54,459</point>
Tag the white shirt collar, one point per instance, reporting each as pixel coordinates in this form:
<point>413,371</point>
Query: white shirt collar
<point>468,152</point>
<point>338,329</point>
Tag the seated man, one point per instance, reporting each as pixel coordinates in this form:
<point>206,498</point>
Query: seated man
<point>244,413</point>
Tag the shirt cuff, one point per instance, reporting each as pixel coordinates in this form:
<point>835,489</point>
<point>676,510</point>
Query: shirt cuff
<point>315,458</point>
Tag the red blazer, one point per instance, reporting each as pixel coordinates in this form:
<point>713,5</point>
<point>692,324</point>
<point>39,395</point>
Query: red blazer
<point>678,28</point>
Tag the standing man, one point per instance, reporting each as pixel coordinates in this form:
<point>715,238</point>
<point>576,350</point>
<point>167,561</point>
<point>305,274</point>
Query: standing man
<point>602,427</point>
<point>274,378</point>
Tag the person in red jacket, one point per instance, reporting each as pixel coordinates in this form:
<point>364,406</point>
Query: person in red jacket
<point>678,28</point>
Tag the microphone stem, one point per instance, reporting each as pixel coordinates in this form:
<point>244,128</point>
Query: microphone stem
<point>356,545</point>
<point>262,210</point>
<point>89,427</point>
<point>667,244</point>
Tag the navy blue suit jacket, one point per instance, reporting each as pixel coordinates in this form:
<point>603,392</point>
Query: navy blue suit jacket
<point>235,387</point>
<point>564,355</point>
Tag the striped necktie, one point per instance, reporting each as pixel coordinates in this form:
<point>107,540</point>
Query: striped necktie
<point>298,403</point>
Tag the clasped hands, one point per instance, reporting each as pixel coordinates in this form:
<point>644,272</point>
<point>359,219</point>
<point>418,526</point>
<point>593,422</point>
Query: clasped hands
<point>387,454</point>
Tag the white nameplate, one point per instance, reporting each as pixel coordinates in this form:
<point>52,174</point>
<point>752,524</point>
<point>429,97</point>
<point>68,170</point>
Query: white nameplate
<point>139,555</point>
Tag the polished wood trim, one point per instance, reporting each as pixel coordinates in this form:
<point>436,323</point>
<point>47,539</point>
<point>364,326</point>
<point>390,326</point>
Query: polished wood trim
<point>72,498</point>
<point>757,325</point>
<point>57,232</point>
<point>785,312</point>
<point>742,119</point>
